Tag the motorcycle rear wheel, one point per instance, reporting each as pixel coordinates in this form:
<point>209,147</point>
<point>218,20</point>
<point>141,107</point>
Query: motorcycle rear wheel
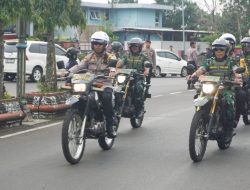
<point>197,136</point>
<point>73,144</point>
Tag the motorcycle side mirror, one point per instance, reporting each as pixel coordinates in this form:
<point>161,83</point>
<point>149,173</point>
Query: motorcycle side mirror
<point>240,70</point>
<point>60,64</point>
<point>147,64</point>
<point>190,66</point>
<point>112,63</point>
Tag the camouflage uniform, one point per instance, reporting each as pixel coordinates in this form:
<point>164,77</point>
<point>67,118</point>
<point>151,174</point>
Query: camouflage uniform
<point>223,69</point>
<point>136,62</point>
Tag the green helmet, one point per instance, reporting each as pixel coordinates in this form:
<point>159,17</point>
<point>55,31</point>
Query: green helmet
<point>116,46</point>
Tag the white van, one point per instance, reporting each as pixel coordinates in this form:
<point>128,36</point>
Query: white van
<point>168,62</point>
<point>36,54</point>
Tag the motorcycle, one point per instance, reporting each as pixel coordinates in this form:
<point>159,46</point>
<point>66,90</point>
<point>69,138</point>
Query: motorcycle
<point>208,122</point>
<point>124,93</point>
<point>191,81</point>
<point>85,119</point>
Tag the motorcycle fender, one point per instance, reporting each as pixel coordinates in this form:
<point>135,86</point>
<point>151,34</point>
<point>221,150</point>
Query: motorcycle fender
<point>72,100</point>
<point>200,101</point>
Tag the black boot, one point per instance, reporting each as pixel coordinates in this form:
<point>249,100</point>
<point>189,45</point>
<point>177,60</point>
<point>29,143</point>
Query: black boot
<point>110,129</point>
<point>245,120</point>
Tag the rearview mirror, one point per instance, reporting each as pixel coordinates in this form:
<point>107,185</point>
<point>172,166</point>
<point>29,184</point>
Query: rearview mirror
<point>60,65</point>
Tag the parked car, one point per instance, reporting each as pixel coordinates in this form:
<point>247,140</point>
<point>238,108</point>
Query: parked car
<point>36,54</point>
<point>168,62</point>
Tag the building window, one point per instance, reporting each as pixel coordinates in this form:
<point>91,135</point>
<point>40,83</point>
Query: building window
<point>95,15</point>
<point>157,18</point>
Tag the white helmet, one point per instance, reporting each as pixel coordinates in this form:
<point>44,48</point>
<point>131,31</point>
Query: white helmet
<point>230,37</point>
<point>100,37</point>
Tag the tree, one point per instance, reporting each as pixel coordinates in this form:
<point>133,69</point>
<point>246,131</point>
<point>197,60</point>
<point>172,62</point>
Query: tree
<point>235,17</point>
<point>49,15</point>
<point>9,14</point>
<point>193,15</point>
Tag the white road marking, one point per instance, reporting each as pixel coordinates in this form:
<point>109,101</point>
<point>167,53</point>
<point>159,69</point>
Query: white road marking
<point>175,93</point>
<point>157,96</point>
<point>30,130</point>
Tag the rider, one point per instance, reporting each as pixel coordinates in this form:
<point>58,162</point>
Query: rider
<point>117,49</point>
<point>240,93</point>
<point>221,65</point>
<point>245,62</point>
<point>232,41</point>
<point>97,62</point>
<point>72,55</point>
<point>136,60</point>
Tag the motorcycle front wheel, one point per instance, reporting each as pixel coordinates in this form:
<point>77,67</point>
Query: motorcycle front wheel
<point>198,136</point>
<point>73,143</point>
<point>136,122</point>
<point>105,142</point>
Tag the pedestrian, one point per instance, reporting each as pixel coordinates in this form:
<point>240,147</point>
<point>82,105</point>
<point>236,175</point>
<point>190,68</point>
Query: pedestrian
<point>150,53</point>
<point>192,54</point>
<point>171,48</point>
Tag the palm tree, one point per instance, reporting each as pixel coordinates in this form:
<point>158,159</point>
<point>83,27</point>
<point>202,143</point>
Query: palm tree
<point>52,14</point>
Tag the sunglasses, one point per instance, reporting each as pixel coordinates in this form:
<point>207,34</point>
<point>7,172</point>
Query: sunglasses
<point>219,49</point>
<point>134,45</point>
<point>97,43</point>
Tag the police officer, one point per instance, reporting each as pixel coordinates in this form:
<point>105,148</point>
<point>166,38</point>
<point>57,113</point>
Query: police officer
<point>221,65</point>
<point>96,62</point>
<point>136,60</point>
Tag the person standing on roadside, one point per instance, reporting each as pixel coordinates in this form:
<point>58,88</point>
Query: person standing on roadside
<point>192,65</point>
<point>192,54</point>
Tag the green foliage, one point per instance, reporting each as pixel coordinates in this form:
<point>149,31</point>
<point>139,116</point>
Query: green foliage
<point>107,27</point>
<point>6,95</point>
<point>43,87</point>
<point>211,37</point>
<point>52,14</point>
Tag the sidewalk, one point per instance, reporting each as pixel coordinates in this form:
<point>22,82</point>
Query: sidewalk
<point>28,125</point>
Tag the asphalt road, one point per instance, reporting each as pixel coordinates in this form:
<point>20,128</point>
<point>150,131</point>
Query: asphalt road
<point>152,157</point>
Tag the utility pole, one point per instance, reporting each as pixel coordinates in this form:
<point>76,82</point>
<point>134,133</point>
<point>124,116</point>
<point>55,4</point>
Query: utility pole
<point>183,28</point>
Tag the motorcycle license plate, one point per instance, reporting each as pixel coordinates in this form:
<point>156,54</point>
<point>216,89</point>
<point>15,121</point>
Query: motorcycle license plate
<point>200,101</point>
<point>72,100</point>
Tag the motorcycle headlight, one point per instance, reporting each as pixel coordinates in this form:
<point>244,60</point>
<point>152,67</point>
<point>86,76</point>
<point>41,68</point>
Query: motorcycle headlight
<point>121,78</point>
<point>207,88</point>
<point>80,87</point>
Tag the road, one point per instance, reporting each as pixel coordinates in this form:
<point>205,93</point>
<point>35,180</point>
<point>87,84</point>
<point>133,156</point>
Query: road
<point>152,157</point>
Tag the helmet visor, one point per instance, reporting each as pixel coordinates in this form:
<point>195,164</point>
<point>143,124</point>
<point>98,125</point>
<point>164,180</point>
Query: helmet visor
<point>98,41</point>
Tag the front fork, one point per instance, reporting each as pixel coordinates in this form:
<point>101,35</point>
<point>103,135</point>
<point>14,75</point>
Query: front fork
<point>212,114</point>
